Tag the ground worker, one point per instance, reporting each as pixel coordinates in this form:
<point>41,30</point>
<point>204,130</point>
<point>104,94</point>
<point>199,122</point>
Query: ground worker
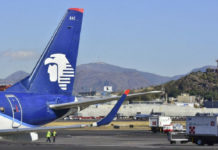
<point>54,134</point>
<point>48,136</point>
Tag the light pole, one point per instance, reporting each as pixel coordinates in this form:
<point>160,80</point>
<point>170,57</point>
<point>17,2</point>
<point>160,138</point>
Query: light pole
<point>217,64</point>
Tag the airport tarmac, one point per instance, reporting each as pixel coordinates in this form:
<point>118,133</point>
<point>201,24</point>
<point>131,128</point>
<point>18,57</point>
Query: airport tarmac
<point>103,140</point>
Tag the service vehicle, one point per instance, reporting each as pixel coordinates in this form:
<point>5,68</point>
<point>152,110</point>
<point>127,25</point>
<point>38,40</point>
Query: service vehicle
<point>178,127</point>
<point>200,129</point>
<point>156,123</point>
<point>168,128</point>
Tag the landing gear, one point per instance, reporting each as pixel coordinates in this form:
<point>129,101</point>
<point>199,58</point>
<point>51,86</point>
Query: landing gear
<point>210,143</point>
<point>154,130</point>
<point>200,142</point>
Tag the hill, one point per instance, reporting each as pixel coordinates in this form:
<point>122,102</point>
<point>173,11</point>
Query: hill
<point>14,77</point>
<point>204,84</point>
<point>94,76</point>
<point>201,69</point>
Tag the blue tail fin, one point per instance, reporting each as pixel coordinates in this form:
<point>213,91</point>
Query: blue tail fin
<point>55,70</point>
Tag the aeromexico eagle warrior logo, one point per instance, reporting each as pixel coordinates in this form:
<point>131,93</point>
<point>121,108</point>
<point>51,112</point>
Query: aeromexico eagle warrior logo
<point>59,69</point>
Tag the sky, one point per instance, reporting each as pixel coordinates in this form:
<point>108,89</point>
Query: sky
<point>165,37</point>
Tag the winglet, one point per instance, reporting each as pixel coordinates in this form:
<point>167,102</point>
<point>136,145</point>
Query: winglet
<point>127,92</point>
<point>77,9</point>
<point>113,112</point>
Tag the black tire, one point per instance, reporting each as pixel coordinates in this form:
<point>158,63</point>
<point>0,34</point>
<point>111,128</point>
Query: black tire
<point>200,142</point>
<point>210,143</point>
<point>116,127</point>
<point>154,130</point>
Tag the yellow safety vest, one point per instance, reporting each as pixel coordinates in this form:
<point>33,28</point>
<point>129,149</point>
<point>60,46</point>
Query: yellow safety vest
<point>54,133</point>
<point>48,134</point>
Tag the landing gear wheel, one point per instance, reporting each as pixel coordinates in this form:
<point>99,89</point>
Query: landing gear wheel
<point>210,143</point>
<point>154,130</point>
<point>200,142</point>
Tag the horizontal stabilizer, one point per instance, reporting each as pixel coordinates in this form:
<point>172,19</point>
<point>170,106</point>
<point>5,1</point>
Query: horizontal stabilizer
<point>96,101</point>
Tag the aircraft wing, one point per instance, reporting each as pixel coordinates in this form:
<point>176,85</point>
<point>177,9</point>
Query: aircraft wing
<point>96,101</point>
<point>103,121</point>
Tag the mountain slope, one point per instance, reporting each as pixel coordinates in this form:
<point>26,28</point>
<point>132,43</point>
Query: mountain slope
<point>93,76</point>
<point>204,84</point>
<point>14,77</point>
<point>201,69</point>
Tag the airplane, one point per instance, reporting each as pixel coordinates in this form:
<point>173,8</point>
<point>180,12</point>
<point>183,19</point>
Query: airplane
<point>46,94</point>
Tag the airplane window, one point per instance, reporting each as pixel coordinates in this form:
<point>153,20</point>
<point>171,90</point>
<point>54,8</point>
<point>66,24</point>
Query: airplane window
<point>2,109</point>
<point>69,27</point>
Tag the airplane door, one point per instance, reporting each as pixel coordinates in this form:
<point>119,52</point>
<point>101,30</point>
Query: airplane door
<point>16,110</point>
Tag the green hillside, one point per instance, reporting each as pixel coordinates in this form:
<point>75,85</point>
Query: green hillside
<point>204,84</point>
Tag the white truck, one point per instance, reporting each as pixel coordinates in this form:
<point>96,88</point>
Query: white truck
<point>156,123</point>
<point>201,129</point>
